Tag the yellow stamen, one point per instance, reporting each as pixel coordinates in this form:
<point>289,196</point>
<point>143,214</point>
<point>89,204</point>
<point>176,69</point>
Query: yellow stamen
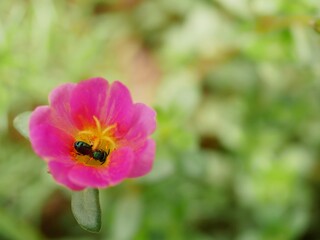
<point>99,137</point>
<point>97,124</point>
<point>95,144</point>
<point>85,132</point>
<point>109,140</point>
<point>108,129</point>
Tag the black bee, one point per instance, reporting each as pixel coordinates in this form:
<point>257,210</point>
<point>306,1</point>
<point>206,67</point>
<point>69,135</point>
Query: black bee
<point>100,155</point>
<point>84,148</point>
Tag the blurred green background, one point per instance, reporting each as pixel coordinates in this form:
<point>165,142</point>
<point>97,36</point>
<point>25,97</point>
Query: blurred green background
<point>236,84</point>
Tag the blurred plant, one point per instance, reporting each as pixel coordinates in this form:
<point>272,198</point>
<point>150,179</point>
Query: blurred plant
<point>236,88</point>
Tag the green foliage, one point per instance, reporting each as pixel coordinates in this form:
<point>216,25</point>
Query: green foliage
<point>235,85</point>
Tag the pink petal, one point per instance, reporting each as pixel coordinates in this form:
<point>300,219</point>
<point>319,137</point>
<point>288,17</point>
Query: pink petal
<point>89,176</point>
<point>143,159</point>
<point>121,163</point>
<point>47,140</point>
<point>88,99</point>
<point>60,171</point>
<point>119,108</point>
<point>59,100</point>
<point>143,123</point>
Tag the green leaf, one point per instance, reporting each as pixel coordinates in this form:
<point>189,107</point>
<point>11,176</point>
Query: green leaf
<point>21,123</point>
<point>86,209</point>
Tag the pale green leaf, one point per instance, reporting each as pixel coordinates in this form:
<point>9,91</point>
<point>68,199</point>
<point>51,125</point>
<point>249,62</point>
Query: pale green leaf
<point>86,209</point>
<point>21,123</point>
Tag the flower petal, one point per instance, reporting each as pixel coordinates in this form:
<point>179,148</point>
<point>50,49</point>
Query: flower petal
<point>60,171</point>
<point>59,100</point>
<point>88,99</point>
<point>143,124</point>
<point>89,176</point>
<point>119,108</point>
<point>47,140</point>
<point>121,163</point>
<point>143,159</point>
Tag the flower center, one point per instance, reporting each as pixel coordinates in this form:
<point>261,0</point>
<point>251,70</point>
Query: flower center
<point>94,144</point>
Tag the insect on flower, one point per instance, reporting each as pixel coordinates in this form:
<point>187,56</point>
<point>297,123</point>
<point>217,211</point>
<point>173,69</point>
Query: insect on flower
<point>100,155</point>
<point>84,148</point>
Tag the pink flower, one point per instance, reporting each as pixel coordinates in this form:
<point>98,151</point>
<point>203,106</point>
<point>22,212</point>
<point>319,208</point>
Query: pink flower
<point>93,135</point>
